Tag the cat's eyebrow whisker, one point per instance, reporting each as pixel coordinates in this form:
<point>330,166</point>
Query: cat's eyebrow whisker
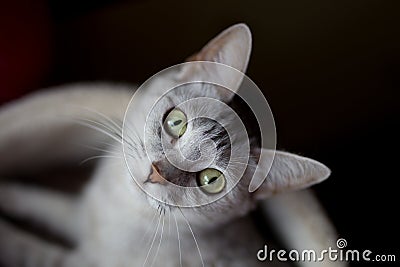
<point>97,126</point>
<point>98,157</point>
<point>113,151</point>
<point>191,231</point>
<point>109,130</point>
<point>100,149</point>
<point>109,144</point>
<point>152,242</point>
<point>132,139</point>
<point>105,125</point>
<point>113,132</point>
<point>101,143</point>
<point>110,122</point>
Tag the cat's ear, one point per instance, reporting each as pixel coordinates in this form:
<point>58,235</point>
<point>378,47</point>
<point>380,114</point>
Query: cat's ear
<point>232,47</point>
<point>289,172</point>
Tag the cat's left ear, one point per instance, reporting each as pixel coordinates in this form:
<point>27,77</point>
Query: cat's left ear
<point>289,172</point>
<point>232,47</point>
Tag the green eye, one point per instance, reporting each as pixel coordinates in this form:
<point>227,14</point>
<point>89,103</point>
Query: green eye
<point>211,181</point>
<point>175,123</point>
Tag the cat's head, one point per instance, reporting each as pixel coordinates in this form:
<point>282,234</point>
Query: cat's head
<point>198,149</point>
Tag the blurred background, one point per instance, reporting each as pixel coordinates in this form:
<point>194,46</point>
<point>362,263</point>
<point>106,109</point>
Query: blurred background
<point>329,69</point>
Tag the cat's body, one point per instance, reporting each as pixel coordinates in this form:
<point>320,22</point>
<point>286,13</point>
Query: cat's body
<point>113,224</point>
<point>136,219</point>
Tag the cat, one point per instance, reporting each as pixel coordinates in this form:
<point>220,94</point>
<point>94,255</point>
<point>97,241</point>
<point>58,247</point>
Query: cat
<point>121,220</point>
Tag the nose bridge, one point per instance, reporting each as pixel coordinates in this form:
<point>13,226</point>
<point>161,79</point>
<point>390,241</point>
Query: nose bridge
<point>191,155</point>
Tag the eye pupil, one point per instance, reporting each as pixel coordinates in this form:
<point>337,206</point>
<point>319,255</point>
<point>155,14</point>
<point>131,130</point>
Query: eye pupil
<point>212,180</point>
<point>177,122</point>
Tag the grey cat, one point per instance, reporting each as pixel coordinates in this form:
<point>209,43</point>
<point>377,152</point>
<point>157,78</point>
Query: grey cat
<point>117,221</point>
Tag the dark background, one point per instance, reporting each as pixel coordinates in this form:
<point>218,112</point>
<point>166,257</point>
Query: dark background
<point>329,69</point>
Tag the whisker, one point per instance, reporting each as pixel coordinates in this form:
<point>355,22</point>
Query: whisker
<point>96,126</point>
<point>100,149</point>
<point>152,242</point>
<point>110,131</point>
<point>108,119</point>
<point>149,227</point>
<point>194,238</point>
<point>109,126</point>
<point>106,122</point>
<point>114,134</point>
<point>104,125</point>
<point>159,244</point>
<point>110,144</point>
<point>132,133</point>
<point>169,222</point>
<point>98,157</point>
<point>179,240</point>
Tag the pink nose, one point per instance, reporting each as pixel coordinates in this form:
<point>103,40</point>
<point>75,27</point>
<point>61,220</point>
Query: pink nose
<point>155,176</point>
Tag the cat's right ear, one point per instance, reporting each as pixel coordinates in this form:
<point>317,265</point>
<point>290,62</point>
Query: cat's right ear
<point>232,47</point>
<point>288,172</point>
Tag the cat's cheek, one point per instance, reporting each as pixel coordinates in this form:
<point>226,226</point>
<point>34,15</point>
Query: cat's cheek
<point>153,203</point>
<point>155,192</point>
<point>138,171</point>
